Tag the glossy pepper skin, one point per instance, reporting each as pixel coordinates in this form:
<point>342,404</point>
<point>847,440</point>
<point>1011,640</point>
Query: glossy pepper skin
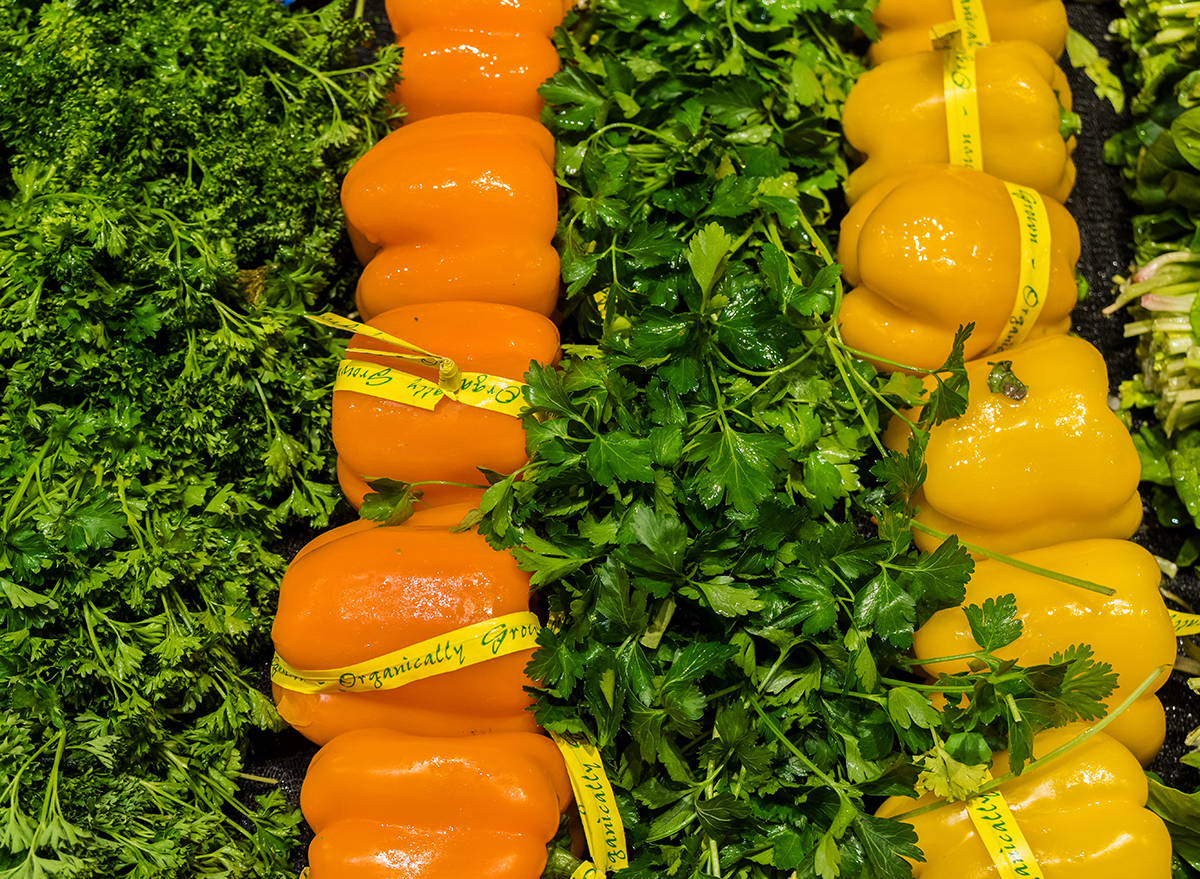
<point>364,589</point>
<point>895,116</point>
<point>383,438</point>
<point>1013,475</point>
<point>904,25</point>
<point>386,804</point>
<point>1130,629</point>
<point>935,247</point>
<point>1083,815</point>
<point>456,207</point>
<point>462,56</point>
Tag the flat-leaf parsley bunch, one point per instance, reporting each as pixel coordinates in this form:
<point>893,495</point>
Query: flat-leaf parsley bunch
<point>727,623</point>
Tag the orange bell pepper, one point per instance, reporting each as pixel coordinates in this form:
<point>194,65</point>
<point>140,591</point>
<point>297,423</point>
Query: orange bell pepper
<point>383,804</point>
<point>456,207</point>
<point>1083,815</point>
<point>1130,630</point>
<point>906,304</point>
<point>895,116</point>
<point>364,590</point>
<point>1012,475</point>
<point>375,437</point>
<point>466,55</point>
<point>904,24</point>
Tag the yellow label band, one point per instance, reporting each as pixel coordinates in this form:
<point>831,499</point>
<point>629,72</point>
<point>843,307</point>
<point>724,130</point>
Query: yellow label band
<point>1185,623</point>
<point>476,389</point>
<point>449,652</point>
<point>1033,283</point>
<point>597,804</point>
<point>971,18</point>
<point>962,104</point>
<point>997,828</point>
<point>586,870</point>
<point>448,373</point>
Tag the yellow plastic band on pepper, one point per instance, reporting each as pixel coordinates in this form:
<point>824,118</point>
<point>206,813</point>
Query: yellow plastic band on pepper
<point>449,652</point>
<point>476,389</point>
<point>303,874</point>
<point>961,94</point>
<point>448,373</point>
<point>1185,623</point>
<point>602,825</point>
<point>997,828</point>
<point>586,870</point>
<point>1033,284</point>
<point>971,18</point>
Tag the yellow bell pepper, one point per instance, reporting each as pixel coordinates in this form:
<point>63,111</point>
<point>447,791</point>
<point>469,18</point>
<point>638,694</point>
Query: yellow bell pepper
<point>935,247</point>
<point>1054,466</point>
<point>895,116</point>
<point>1130,630</point>
<point>1083,815</point>
<point>904,24</point>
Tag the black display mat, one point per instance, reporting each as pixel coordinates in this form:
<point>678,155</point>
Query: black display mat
<point>1104,218</point>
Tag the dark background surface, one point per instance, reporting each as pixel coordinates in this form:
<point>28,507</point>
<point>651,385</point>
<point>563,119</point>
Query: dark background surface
<point>1103,215</point>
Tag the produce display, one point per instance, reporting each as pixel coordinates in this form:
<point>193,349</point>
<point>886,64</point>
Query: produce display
<point>680,471</point>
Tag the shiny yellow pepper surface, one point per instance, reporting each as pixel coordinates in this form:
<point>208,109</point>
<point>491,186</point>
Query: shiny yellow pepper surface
<point>904,24</point>
<point>1083,815</point>
<point>1011,475</point>
<point>935,247</point>
<point>895,116</point>
<point>1130,630</point>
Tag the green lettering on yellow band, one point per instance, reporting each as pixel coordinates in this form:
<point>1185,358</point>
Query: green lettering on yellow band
<point>449,652</point>
<point>476,389</point>
<point>1185,623</point>
<point>602,825</point>
<point>1033,282</point>
<point>971,18</point>
<point>998,830</point>
<point>962,99</point>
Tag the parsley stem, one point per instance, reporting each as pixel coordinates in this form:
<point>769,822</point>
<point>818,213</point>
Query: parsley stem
<point>862,412</point>
<point>30,472</point>
<point>929,688</point>
<point>1051,755</point>
<point>799,755</point>
<point>324,78</point>
<point>875,358</point>
<point>1018,564</point>
<point>921,661</point>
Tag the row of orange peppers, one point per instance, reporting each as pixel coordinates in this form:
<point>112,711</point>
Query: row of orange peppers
<point>452,215</point>
<point>1047,476</point>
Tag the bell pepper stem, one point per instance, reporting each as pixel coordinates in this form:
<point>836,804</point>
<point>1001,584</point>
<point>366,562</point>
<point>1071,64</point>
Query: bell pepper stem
<point>1016,563</point>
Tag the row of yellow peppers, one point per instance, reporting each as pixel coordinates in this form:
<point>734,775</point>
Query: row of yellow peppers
<point>452,215</point>
<point>1049,478</point>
